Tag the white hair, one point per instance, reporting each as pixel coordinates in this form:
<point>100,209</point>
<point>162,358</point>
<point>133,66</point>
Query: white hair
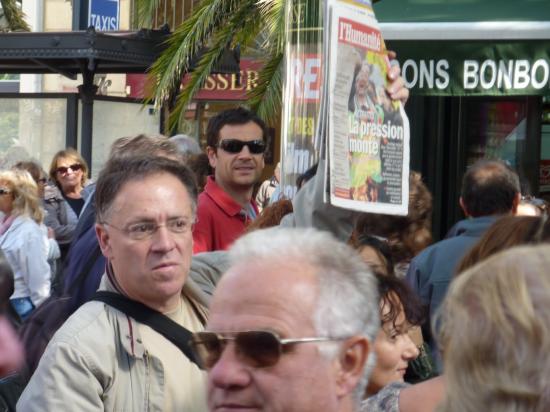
<point>348,301</point>
<point>187,145</point>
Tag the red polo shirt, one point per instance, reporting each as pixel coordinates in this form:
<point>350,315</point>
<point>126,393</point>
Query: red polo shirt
<point>220,220</point>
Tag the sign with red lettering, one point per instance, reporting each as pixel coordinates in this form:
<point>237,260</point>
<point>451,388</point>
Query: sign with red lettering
<point>306,77</point>
<point>216,86</point>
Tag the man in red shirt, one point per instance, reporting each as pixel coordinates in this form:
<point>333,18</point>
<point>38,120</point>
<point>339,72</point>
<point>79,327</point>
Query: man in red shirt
<point>236,140</point>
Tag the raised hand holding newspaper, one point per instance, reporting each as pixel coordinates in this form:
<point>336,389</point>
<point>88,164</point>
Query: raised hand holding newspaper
<point>368,133</point>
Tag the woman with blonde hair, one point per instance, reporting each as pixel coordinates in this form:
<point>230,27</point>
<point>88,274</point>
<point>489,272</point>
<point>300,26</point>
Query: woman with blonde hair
<point>495,334</point>
<point>23,241</point>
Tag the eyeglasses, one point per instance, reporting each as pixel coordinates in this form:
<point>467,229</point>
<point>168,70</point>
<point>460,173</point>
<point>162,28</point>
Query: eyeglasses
<point>235,146</point>
<point>4,192</point>
<point>74,167</point>
<point>258,348</point>
<point>146,230</point>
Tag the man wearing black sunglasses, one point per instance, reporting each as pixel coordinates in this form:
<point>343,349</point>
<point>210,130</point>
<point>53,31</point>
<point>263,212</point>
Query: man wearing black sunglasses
<point>300,341</point>
<point>236,141</point>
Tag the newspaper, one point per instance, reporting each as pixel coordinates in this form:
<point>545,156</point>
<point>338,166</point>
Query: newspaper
<point>368,133</point>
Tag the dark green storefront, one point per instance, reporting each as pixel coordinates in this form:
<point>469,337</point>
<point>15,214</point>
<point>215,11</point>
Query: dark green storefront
<point>479,74</point>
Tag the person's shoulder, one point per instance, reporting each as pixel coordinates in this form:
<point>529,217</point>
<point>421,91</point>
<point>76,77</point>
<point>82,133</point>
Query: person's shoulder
<point>25,226</point>
<point>387,399</point>
<point>90,325</point>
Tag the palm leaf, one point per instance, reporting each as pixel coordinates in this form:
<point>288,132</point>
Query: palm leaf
<point>146,11</point>
<point>243,21</point>
<point>14,16</point>
<point>273,18</point>
<point>266,98</point>
<point>213,26</point>
<point>186,41</point>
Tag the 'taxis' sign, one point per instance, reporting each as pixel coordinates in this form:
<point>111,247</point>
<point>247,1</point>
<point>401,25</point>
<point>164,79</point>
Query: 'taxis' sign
<point>103,15</point>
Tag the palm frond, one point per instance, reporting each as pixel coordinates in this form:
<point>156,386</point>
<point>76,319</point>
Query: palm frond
<point>243,20</point>
<point>14,16</point>
<point>146,11</point>
<point>266,98</point>
<point>184,44</point>
<point>273,18</point>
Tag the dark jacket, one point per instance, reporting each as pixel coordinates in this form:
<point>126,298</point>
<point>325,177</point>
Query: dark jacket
<point>431,271</point>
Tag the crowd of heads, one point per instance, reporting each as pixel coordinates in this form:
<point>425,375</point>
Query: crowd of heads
<point>342,307</point>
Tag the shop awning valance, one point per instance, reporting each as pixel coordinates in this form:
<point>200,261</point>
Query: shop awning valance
<point>470,47</point>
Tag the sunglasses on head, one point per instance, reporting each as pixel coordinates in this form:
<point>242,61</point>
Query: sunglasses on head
<point>257,348</point>
<point>235,145</point>
<point>74,167</point>
<point>4,192</point>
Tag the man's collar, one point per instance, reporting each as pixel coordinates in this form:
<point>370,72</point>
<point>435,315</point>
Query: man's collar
<point>222,198</point>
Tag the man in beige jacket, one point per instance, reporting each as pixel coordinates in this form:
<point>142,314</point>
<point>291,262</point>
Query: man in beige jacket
<point>101,359</point>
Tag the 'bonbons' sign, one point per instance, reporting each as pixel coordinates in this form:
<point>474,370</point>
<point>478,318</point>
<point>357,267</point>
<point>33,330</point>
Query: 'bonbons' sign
<point>475,68</point>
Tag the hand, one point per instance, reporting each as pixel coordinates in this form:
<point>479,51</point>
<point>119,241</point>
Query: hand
<point>396,87</point>
<point>51,233</point>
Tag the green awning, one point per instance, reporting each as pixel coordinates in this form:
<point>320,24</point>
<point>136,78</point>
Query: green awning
<point>437,11</point>
<point>470,47</point>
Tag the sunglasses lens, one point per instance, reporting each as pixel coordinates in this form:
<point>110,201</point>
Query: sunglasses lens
<point>235,146</point>
<point>232,145</point>
<point>74,167</point>
<point>260,348</point>
<point>208,347</point>
<point>256,146</point>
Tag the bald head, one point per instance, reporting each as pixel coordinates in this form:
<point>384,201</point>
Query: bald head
<point>490,187</point>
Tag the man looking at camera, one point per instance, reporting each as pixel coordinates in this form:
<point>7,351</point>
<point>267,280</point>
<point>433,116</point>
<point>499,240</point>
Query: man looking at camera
<point>236,141</point>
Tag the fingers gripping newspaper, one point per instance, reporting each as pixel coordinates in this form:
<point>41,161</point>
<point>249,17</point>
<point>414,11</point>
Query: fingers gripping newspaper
<point>368,133</point>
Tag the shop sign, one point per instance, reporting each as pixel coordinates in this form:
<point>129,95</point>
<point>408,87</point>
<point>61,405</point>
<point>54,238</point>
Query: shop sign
<point>216,86</point>
<point>230,86</point>
<point>459,68</point>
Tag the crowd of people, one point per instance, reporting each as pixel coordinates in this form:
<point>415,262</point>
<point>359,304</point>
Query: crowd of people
<point>147,290</point>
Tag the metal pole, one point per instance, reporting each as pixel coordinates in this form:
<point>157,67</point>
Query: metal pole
<point>87,92</point>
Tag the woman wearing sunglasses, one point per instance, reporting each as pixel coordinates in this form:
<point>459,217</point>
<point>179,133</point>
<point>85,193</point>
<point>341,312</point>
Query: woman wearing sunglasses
<point>64,202</point>
<point>23,241</point>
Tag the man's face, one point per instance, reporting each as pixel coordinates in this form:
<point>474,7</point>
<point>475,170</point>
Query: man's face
<point>237,170</point>
<point>302,380</point>
<point>151,270</point>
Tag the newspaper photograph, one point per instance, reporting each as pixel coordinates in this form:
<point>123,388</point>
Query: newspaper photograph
<point>368,133</point>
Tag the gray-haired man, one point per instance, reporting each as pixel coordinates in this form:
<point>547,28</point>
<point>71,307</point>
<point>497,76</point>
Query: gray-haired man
<point>290,325</point>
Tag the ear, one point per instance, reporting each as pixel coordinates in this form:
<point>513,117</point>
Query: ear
<point>212,156</point>
<point>515,203</point>
<point>104,240</point>
<point>351,364</point>
<point>463,206</point>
